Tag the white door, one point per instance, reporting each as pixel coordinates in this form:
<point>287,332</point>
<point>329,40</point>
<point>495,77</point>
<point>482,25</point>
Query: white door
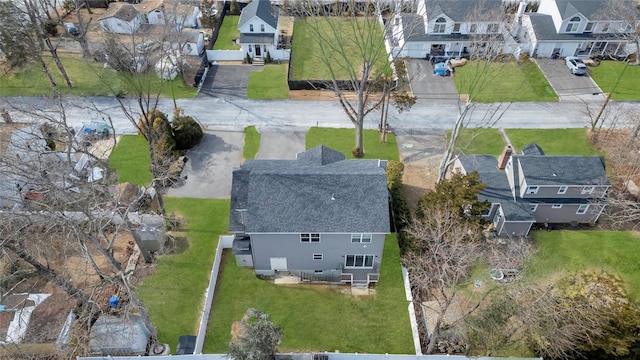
<point>279,264</point>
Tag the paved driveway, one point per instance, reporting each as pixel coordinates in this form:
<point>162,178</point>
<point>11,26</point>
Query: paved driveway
<point>208,171</point>
<point>227,81</point>
<point>567,85</point>
<point>281,143</point>
<point>428,86</point>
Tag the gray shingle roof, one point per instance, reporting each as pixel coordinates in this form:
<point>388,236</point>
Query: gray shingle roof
<point>591,9</point>
<point>125,12</point>
<point>256,38</point>
<point>461,10</point>
<point>562,170</point>
<point>532,149</point>
<point>261,9</point>
<point>315,193</point>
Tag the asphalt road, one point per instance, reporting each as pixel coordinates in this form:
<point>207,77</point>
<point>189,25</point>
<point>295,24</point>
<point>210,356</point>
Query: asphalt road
<point>277,113</point>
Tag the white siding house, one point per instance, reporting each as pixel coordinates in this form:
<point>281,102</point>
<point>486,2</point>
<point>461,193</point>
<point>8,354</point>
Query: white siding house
<point>258,26</point>
<point>120,18</point>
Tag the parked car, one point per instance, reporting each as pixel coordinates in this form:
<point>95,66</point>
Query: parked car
<point>71,29</point>
<point>575,65</point>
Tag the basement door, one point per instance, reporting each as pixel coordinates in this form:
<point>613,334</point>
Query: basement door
<point>278,263</point>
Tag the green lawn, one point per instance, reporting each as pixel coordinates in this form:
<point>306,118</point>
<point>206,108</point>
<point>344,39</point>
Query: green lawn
<point>343,140</point>
<point>251,142</point>
<point>89,79</point>
<point>503,82</point>
<point>308,56</point>
<point>317,318</point>
<point>563,250</point>
<point>270,83</point>
<point>131,160</point>
<point>554,141</point>
<point>480,141</point>
<point>627,78</point>
<point>228,32</point>
<point>174,293</point>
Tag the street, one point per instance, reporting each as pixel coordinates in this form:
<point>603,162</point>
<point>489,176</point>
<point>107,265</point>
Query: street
<point>242,112</point>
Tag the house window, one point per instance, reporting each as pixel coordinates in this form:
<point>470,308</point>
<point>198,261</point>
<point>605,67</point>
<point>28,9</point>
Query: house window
<point>310,238</point>
<point>587,190</point>
<point>262,27</point>
<point>589,27</point>
<point>572,26</point>
<point>360,238</point>
<point>582,209</point>
<point>318,257</point>
<point>532,190</point>
<point>456,28</point>
<point>605,27</point>
<point>250,46</point>
<point>440,26</point>
<point>473,28</point>
<point>533,207</point>
<point>556,206</point>
<point>492,28</point>
<point>562,190</point>
<point>359,261</point>
<point>251,27</point>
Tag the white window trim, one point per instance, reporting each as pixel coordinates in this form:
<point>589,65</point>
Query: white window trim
<point>359,238</point>
<point>581,210</point>
<point>318,257</point>
<point>533,207</point>
<point>310,237</point>
<point>562,190</point>
<point>587,190</point>
<point>556,206</point>
<point>373,260</point>
<point>532,190</point>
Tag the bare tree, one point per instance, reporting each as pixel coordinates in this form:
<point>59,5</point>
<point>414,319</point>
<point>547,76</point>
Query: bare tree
<point>350,38</point>
<point>626,26</point>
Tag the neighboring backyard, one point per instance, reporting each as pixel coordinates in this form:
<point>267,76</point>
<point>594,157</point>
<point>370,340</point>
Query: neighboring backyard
<point>89,78</point>
<point>228,34</point>
<point>308,57</point>
<point>503,82</point>
<point>317,317</point>
<point>270,83</point>
<point>617,78</point>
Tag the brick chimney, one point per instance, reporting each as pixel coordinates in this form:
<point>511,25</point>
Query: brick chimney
<point>504,157</point>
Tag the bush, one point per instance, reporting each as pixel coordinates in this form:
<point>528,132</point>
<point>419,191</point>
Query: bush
<point>247,59</point>
<point>187,133</point>
<point>157,130</point>
<point>234,8</point>
<point>400,206</point>
<point>268,59</point>
<point>50,27</point>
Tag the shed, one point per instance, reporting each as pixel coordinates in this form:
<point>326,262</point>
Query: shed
<point>241,249</point>
<point>113,335</point>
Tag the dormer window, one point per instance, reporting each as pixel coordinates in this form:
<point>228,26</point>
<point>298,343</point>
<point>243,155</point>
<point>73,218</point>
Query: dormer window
<point>440,26</point>
<point>572,26</point>
<point>492,28</point>
<point>456,28</point>
<point>605,27</point>
<point>251,27</point>
<point>589,27</point>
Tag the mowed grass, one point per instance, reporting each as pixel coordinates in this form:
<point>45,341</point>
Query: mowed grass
<point>89,78</point>
<point>566,250</point>
<point>228,32</point>
<point>270,83</point>
<point>479,141</point>
<point>316,317</point>
<point>174,294</point>
<point>503,82</point>
<point>251,142</point>
<point>553,141</point>
<point>617,78</point>
<point>344,140</point>
<point>309,57</point>
<point>131,160</point>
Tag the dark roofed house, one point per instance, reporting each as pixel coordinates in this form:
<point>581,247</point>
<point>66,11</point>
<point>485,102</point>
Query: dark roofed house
<point>120,18</point>
<point>319,217</point>
<point>537,188</point>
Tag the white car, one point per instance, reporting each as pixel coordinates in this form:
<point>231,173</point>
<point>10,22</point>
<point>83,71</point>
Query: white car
<point>576,65</point>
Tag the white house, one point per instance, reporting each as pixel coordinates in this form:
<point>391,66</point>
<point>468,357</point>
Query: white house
<point>577,28</point>
<point>258,26</point>
<point>451,28</point>
<point>120,18</point>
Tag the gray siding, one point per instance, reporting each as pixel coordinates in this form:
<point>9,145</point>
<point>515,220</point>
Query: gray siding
<point>545,213</point>
<point>573,192</point>
<point>333,248</point>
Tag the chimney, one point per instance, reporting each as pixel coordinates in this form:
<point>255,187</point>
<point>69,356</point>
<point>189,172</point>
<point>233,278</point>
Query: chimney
<point>521,8</point>
<point>504,157</point>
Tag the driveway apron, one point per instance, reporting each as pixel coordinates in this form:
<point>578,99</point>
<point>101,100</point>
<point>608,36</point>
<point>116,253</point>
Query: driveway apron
<point>566,85</point>
<point>426,85</point>
<point>281,142</point>
<point>227,81</point>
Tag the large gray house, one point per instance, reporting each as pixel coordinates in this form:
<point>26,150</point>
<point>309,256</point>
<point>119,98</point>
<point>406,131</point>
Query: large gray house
<point>319,217</point>
<point>536,188</point>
